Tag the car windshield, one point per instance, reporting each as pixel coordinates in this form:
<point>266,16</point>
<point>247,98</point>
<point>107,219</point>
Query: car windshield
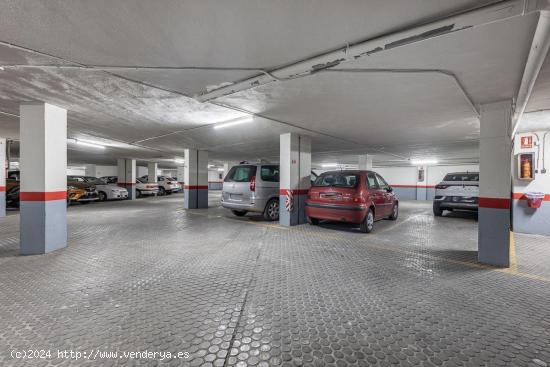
<point>348,180</point>
<point>462,177</point>
<point>94,180</point>
<point>140,180</point>
<point>241,174</point>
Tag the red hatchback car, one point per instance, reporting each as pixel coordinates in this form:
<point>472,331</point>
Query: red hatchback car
<point>360,197</point>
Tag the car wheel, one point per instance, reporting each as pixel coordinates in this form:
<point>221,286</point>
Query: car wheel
<point>102,196</point>
<point>368,223</point>
<point>239,213</point>
<point>395,212</point>
<point>138,193</point>
<point>313,221</point>
<point>438,212</point>
<point>162,191</point>
<point>271,211</point>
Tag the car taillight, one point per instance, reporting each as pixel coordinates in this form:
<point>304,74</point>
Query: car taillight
<point>441,186</point>
<point>253,184</point>
<point>359,199</point>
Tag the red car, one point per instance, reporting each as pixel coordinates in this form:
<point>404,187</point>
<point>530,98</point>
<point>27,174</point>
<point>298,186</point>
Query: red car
<point>360,197</point>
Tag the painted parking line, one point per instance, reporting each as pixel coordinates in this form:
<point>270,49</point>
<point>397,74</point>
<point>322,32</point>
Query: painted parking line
<point>512,270</point>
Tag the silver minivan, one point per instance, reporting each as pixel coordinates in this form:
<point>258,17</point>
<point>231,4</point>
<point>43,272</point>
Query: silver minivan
<point>252,188</point>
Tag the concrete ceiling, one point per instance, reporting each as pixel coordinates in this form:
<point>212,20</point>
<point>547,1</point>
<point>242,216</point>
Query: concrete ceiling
<point>150,114</point>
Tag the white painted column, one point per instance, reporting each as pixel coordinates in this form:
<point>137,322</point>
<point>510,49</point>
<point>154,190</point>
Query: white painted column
<point>422,183</point>
<point>365,162</point>
<point>43,165</point>
<point>152,169</point>
<point>3,169</point>
<point>181,175</point>
<point>127,176</point>
<point>295,174</point>
<point>196,179</point>
<point>495,150</point>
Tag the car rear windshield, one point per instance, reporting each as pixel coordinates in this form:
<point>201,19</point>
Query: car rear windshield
<point>240,174</point>
<point>462,177</point>
<point>348,180</point>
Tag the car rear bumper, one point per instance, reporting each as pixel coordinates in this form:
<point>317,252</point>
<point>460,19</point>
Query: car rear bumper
<point>257,206</point>
<point>341,213</point>
<point>457,202</point>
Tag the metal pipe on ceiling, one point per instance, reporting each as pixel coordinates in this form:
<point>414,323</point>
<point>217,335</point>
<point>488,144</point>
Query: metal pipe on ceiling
<point>483,15</point>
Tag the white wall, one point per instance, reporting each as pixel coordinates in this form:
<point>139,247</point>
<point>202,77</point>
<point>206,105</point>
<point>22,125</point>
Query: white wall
<point>76,171</point>
<point>526,219</point>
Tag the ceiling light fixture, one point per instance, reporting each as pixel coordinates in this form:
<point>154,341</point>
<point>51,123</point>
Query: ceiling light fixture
<point>87,143</point>
<point>423,162</point>
<point>179,160</point>
<point>326,165</point>
<point>239,121</point>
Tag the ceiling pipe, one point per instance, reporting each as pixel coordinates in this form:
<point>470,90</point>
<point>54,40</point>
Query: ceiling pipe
<point>537,55</point>
<point>445,73</point>
<point>494,12</point>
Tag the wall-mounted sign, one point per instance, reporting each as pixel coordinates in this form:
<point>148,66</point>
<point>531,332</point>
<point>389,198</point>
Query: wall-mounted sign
<point>526,142</point>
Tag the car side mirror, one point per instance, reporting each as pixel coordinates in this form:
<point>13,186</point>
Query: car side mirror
<point>389,189</point>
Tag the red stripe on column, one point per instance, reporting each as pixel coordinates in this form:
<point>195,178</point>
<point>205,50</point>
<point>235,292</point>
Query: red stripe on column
<point>494,203</point>
<point>43,196</point>
<point>195,187</point>
<point>521,196</point>
<point>284,192</point>
<point>2,188</point>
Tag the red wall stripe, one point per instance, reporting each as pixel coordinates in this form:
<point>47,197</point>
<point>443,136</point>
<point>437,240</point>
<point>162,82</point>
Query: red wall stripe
<point>43,196</point>
<point>494,203</point>
<point>521,196</point>
<point>284,192</point>
<point>195,187</point>
<point>2,188</point>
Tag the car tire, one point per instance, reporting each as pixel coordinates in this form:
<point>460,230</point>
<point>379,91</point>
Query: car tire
<point>271,211</point>
<point>239,213</point>
<point>102,196</point>
<point>313,221</point>
<point>394,212</point>
<point>138,193</point>
<point>438,212</point>
<point>368,223</point>
<point>162,191</point>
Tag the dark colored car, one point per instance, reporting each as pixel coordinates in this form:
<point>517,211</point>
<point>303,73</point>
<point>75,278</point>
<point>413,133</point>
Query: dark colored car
<point>360,197</point>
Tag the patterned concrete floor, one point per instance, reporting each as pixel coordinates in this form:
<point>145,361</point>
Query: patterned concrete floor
<point>150,276</point>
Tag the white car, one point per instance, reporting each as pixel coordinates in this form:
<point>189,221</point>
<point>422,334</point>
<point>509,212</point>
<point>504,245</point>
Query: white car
<point>458,190</point>
<point>167,185</point>
<point>106,191</point>
<point>142,188</point>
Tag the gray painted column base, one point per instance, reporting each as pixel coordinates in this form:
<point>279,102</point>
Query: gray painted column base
<point>131,192</point>
<point>421,193</point>
<point>2,204</point>
<point>195,198</point>
<point>295,217</point>
<point>494,236</point>
<point>43,226</point>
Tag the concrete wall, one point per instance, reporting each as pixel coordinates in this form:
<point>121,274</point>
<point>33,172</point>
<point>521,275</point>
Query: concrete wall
<point>525,219</point>
<point>403,179</point>
<point>214,180</point>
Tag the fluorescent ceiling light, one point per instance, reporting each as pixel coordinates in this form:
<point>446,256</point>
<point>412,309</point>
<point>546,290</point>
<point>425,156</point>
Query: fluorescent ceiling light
<point>221,169</point>
<point>325,165</point>
<point>210,165</point>
<point>178,160</point>
<point>243,120</point>
<point>87,143</point>
<point>423,162</point>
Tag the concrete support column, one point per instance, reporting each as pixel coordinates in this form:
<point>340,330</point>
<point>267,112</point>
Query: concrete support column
<point>495,149</point>
<point>3,169</point>
<point>295,175</point>
<point>152,169</point>
<point>127,176</point>
<point>180,175</point>
<point>422,183</point>
<point>43,165</point>
<point>196,179</point>
<point>365,162</point>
